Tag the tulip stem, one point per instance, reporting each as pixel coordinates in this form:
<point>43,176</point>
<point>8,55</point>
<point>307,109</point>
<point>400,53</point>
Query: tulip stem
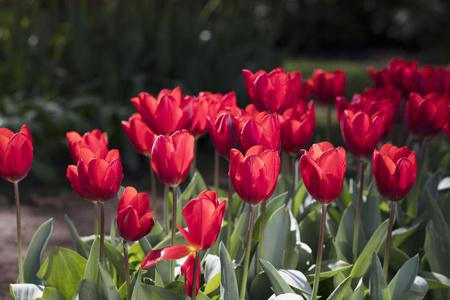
<point>294,182</point>
<point>319,252</point>
<point>229,213</point>
<point>97,218</point>
<point>194,281</point>
<point>216,169</point>
<point>358,210</point>
<point>153,186</point>
<point>102,230</point>
<point>174,228</point>
<point>262,226</point>
<point>389,238</point>
<point>328,132</point>
<point>19,232</point>
<point>166,209</point>
<point>247,252</point>
<point>127,268</point>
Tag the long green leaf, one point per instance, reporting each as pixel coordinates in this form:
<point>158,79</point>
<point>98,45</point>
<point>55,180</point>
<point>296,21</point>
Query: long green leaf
<point>88,290</point>
<point>436,280</point>
<point>91,271</point>
<point>109,288</point>
<point>364,259</point>
<point>32,262</point>
<point>358,293</point>
<point>377,282</point>
<point>401,234</point>
<point>341,289</point>
<point>291,253</point>
<point>329,268</point>
<point>279,285</point>
<point>344,236</point>
<point>228,283</point>
<point>63,270</point>
<point>296,279</point>
<point>53,294</point>
<point>404,278</point>
<point>438,256</point>
<point>275,237</point>
<point>79,244</point>
<point>239,235</point>
<point>116,258</point>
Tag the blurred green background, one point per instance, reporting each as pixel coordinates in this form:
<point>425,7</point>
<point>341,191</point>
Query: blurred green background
<point>73,65</point>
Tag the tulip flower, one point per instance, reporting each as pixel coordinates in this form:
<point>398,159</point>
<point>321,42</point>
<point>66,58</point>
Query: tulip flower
<point>297,127</point>
<point>167,113</point>
<point>97,176</point>
<point>400,73</point>
<point>172,157</point>
<point>93,140</point>
<point>262,129</point>
<point>16,156</point>
<point>218,103</point>
<point>254,176</point>
<point>134,217</point>
<point>322,169</point>
<point>394,170</point>
<point>223,133</point>
<point>361,133</point>
<point>203,216</point>
<point>379,78</point>
<point>425,116</point>
<point>139,134</point>
<point>16,153</point>
<point>327,86</point>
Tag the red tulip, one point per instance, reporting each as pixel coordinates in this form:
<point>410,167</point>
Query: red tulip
<point>223,132</point>
<point>400,73</point>
<point>254,177</point>
<point>394,170</point>
<point>172,157</point>
<point>218,103</point>
<point>379,78</point>
<point>425,116</point>
<point>262,129</point>
<point>16,153</point>
<point>134,217</point>
<point>361,133</point>
<point>97,176</point>
<point>428,80</point>
<point>198,125</point>
<point>203,217</point>
<point>275,91</point>
<point>139,134</point>
<point>167,113</point>
<point>297,127</point>
<point>323,169</point>
<point>93,140</point>
<point>327,86</point>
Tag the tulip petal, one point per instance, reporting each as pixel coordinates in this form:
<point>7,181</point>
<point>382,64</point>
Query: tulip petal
<point>172,253</point>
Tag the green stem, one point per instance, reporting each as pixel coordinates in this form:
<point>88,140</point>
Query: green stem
<point>247,253</point>
<point>229,213</point>
<point>194,282</point>
<point>102,230</point>
<point>389,238</point>
<point>153,186</point>
<point>166,210</point>
<point>216,169</point>
<point>19,232</point>
<point>262,227</point>
<point>97,218</point>
<point>319,252</point>
<point>358,210</point>
<point>174,228</point>
<point>127,268</point>
<point>328,132</point>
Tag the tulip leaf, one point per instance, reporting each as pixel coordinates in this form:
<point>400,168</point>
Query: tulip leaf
<point>401,234</point>
<point>87,290</point>
<point>329,268</point>
<point>345,196</point>
<point>310,229</point>
<point>275,237</point>
<point>358,293</point>
<point>228,283</point>
<point>292,245</point>
<point>91,271</point>
<point>439,220</point>
<point>370,212</point>
<point>305,257</point>
<point>212,266</point>
<point>108,286</point>
<point>213,284</point>
<point>364,259</point>
<point>112,233</point>
<point>279,285</point>
<point>344,236</point>
<point>21,291</point>
<point>53,294</point>
<point>33,259</point>
<point>79,244</point>
<point>397,258</point>
<point>260,287</point>
<point>297,280</point>
<point>288,296</point>
<point>378,288</point>
<point>239,235</point>
<point>341,290</point>
<point>436,280</point>
<point>63,270</point>
<point>145,245</point>
<point>116,258</point>
<point>438,256</point>
<point>444,184</point>
<point>143,292</point>
<point>298,199</point>
<point>404,278</point>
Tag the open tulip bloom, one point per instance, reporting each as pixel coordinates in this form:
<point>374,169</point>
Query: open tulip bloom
<point>203,216</point>
<point>93,140</point>
<point>261,129</point>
